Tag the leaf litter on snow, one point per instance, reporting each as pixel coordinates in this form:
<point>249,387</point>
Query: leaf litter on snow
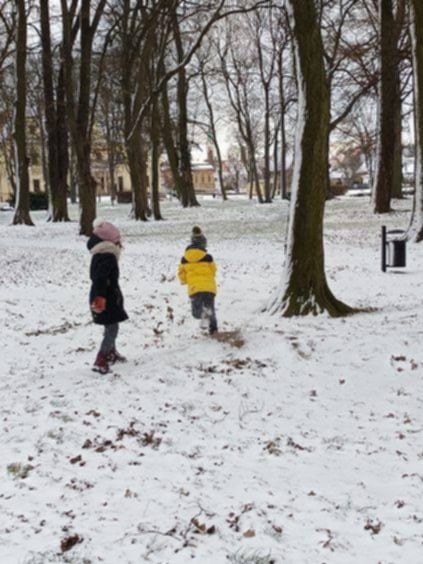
<point>300,437</point>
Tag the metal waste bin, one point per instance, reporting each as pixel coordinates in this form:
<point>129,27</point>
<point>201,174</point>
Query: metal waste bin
<point>393,248</point>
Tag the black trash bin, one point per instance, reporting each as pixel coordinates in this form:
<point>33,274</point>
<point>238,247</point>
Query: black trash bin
<point>396,253</point>
<point>393,248</point>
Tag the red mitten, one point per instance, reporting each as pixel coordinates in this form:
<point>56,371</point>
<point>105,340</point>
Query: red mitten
<point>98,305</point>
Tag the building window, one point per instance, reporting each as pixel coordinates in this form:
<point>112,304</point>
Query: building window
<point>120,183</point>
<point>37,185</point>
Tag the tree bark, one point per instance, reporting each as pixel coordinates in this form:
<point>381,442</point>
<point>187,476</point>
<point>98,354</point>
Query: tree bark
<point>184,145</point>
<point>155,158</point>
<point>137,169</point>
<point>383,188</point>
<point>53,123</point>
<point>79,113</point>
<point>22,215</point>
<point>304,289</point>
<point>168,141</point>
<point>416,227</point>
<point>267,188</point>
<point>397,164</point>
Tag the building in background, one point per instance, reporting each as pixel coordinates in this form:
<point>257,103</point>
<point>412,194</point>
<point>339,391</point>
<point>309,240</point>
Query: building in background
<point>203,176</point>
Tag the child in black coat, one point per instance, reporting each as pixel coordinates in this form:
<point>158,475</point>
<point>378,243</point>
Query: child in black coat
<point>106,299</point>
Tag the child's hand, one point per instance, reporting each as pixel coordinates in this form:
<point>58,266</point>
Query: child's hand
<point>98,305</point>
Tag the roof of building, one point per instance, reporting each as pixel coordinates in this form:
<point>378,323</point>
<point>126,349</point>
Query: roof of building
<point>202,166</point>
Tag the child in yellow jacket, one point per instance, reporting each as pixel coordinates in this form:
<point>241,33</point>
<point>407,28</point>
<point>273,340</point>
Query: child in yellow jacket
<point>198,271</point>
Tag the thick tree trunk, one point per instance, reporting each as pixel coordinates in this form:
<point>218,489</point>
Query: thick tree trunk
<point>416,227</point>
<point>304,288</point>
<point>22,214</point>
<point>384,181</point>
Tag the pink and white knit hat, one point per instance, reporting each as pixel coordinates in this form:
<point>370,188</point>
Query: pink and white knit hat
<point>106,231</point>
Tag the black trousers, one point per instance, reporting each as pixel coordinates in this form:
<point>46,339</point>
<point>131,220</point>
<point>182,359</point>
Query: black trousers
<point>202,305</point>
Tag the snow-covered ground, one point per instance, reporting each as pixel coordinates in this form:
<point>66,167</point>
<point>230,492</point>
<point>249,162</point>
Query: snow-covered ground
<point>295,441</point>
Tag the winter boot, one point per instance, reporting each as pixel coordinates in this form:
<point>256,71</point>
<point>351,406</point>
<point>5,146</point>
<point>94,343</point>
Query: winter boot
<point>101,364</point>
<point>114,357</point>
<point>213,327</point>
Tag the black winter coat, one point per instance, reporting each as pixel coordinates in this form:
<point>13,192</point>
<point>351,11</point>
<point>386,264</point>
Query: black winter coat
<point>104,274</point>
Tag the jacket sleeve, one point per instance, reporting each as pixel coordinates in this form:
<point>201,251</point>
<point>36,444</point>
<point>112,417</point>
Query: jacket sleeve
<point>101,275</point>
<point>213,268</point>
<point>182,274</point>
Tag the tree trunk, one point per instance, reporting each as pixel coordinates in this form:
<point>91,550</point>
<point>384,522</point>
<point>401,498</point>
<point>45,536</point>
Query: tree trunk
<point>184,145</point>
<point>283,183</point>
<point>155,156</point>
<point>397,165</point>
<point>255,180</point>
<point>57,167</point>
<point>22,214</point>
<point>387,94</point>
<point>172,155</point>
<point>137,169</point>
<point>87,187</point>
<point>79,114</point>
<point>276,179</point>
<point>45,164</point>
<point>304,288</point>
<point>416,228</point>
<point>267,189</point>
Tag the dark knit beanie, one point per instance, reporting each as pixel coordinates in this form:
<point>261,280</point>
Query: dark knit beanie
<point>197,237</point>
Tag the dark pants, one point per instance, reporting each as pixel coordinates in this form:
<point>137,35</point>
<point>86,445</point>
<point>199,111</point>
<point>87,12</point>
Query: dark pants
<point>202,305</point>
<point>109,338</point>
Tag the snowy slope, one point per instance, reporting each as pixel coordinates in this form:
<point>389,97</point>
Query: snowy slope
<point>294,441</point>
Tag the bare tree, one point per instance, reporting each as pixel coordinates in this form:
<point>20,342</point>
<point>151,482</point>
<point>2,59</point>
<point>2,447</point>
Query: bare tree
<point>387,100</point>
<point>22,214</point>
<point>304,288</point>
<point>416,226</point>
<point>207,86</point>
<point>244,101</point>
<point>80,111</point>
<point>7,101</point>
<point>110,119</point>
<point>7,33</point>
<point>262,23</point>
<point>54,118</point>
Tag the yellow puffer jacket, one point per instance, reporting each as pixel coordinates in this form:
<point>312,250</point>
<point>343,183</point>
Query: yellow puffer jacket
<point>198,271</point>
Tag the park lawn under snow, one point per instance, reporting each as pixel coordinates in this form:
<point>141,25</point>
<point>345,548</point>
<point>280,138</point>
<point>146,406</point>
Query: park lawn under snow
<point>289,440</point>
